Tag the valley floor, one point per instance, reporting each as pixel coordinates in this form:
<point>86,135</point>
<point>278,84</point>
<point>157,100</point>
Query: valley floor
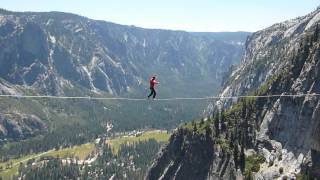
<point>82,154</point>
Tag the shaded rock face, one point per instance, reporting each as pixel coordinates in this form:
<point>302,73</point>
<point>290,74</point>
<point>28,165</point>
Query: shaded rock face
<point>54,51</point>
<point>177,160</point>
<point>283,59</point>
<point>20,126</point>
<point>191,156</point>
<point>315,159</point>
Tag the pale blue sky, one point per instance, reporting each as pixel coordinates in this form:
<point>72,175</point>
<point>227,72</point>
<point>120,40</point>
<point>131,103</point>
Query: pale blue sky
<point>190,15</point>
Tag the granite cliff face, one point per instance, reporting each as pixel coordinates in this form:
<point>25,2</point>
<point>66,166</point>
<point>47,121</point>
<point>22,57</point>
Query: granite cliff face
<point>190,155</point>
<point>280,134</point>
<point>284,59</point>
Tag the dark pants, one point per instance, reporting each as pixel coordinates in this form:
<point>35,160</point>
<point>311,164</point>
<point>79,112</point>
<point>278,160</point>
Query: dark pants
<point>153,92</point>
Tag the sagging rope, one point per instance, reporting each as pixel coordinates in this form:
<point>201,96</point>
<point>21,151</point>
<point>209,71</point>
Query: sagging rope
<point>161,99</point>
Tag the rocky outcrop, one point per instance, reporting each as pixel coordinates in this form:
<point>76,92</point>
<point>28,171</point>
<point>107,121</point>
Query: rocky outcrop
<point>192,156</point>
<point>20,126</point>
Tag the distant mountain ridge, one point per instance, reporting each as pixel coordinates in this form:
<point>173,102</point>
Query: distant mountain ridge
<point>54,51</point>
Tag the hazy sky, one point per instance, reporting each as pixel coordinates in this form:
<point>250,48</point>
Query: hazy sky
<point>190,15</point>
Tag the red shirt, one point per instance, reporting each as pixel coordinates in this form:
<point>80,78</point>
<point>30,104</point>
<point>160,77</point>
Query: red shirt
<point>153,82</point>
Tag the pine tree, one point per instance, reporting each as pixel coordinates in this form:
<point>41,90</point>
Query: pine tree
<point>316,34</point>
<point>249,177</point>
<point>242,159</point>
<point>244,108</point>
<point>216,125</point>
<point>208,133</point>
<point>195,129</point>
<point>222,121</point>
<point>201,122</point>
<point>236,155</point>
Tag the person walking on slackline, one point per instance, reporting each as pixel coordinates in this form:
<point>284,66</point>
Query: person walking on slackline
<point>153,82</point>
